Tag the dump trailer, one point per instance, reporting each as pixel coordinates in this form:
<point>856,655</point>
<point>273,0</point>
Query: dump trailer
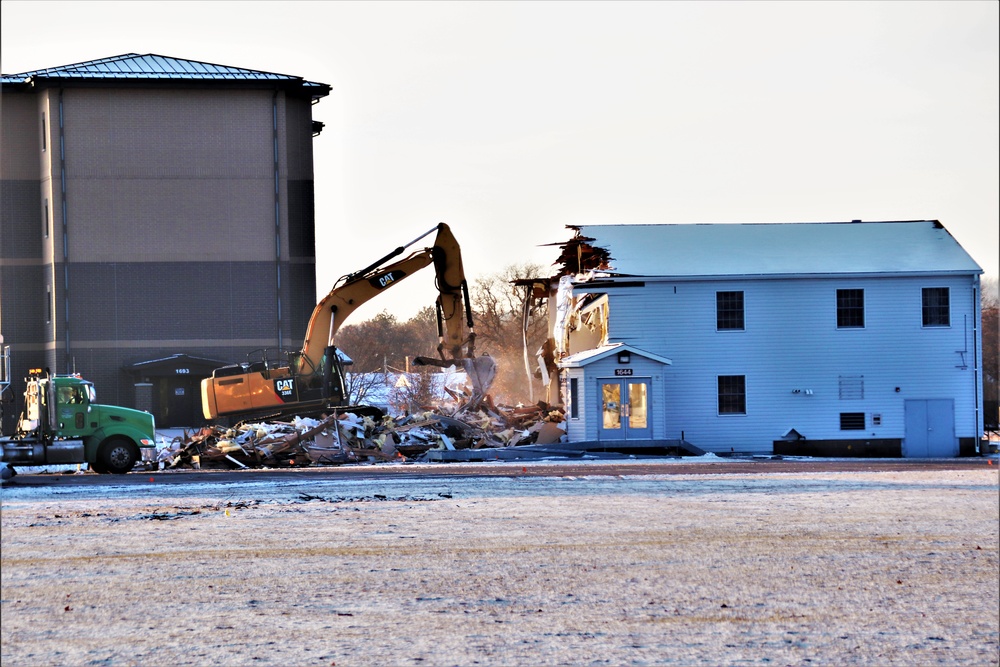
<point>62,422</point>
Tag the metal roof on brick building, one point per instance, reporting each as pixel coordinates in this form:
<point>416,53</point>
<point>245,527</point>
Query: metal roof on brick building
<point>132,66</point>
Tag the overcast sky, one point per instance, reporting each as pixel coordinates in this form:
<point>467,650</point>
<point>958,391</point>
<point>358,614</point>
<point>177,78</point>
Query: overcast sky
<point>511,120</point>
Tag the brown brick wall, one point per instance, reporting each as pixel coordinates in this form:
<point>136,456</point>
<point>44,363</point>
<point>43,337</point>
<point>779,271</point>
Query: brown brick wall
<point>20,123</point>
<point>170,221</point>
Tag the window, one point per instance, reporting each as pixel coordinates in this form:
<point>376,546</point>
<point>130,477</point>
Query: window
<point>732,395</point>
<point>936,307</point>
<point>852,421</point>
<point>850,308</point>
<point>48,304</point>
<point>45,217</point>
<point>574,398</point>
<point>45,140</point>
<point>729,311</point>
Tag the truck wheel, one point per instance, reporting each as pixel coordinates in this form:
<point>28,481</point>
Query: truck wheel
<point>117,456</point>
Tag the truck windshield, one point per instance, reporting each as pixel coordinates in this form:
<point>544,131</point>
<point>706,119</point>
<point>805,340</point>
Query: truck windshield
<point>91,392</point>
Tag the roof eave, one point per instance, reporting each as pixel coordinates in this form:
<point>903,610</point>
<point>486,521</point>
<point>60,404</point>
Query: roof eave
<point>295,87</point>
<point>632,278</point>
<point>609,350</point>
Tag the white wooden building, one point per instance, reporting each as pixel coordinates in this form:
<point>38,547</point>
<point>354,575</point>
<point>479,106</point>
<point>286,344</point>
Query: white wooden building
<point>842,339</point>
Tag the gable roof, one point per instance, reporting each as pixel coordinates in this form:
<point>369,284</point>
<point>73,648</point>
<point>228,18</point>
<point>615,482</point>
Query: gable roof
<point>759,249</point>
<point>150,66</point>
<point>586,357</point>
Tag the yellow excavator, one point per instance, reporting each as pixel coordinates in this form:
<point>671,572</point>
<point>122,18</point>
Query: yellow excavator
<point>312,380</point>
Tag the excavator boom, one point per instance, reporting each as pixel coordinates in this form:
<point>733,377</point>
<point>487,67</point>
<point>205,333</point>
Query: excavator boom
<point>313,378</point>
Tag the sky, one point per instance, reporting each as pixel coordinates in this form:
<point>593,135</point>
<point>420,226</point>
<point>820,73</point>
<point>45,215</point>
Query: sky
<point>511,120</point>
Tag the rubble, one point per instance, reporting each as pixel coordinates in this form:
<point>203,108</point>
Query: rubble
<point>345,437</point>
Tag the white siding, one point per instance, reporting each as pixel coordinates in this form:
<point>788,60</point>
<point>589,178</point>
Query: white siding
<point>791,341</point>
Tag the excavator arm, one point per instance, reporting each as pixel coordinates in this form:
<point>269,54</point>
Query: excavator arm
<point>354,290</point>
<point>456,332</point>
<point>238,390</point>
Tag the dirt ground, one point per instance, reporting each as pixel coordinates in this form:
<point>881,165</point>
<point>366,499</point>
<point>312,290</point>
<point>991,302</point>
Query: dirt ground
<point>859,568</point>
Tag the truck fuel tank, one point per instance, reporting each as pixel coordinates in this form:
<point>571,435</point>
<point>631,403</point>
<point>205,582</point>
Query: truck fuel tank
<point>31,451</point>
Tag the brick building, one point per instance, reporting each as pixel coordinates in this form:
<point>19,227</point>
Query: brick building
<point>156,221</point>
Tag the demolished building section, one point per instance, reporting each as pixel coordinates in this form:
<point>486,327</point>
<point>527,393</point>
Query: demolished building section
<point>450,430</point>
<point>576,321</point>
<point>345,437</point>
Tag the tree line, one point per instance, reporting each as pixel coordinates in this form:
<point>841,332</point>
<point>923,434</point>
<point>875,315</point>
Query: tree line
<point>507,321</point>
<point>990,303</point>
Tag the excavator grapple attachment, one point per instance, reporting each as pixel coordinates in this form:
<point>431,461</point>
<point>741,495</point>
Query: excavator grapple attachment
<point>481,371</point>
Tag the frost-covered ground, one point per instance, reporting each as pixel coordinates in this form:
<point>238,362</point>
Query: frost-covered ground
<point>729,569</point>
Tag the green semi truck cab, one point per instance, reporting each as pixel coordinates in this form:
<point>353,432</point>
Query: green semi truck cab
<point>62,422</point>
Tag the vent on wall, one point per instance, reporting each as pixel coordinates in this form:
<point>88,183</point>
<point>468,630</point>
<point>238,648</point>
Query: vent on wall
<point>851,387</point>
<point>852,421</point>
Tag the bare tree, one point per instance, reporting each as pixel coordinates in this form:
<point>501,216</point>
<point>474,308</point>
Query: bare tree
<point>373,344</point>
<point>360,386</point>
<point>510,325</point>
<point>990,304</point>
<point>384,341</point>
<point>420,334</point>
<point>413,391</point>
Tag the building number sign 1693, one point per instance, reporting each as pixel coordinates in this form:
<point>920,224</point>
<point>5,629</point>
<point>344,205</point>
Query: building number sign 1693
<point>182,371</point>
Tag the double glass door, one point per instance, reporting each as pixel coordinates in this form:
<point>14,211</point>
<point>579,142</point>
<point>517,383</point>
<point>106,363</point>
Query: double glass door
<point>625,409</point>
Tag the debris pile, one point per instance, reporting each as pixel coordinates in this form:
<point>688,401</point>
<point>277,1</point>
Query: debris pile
<point>346,437</point>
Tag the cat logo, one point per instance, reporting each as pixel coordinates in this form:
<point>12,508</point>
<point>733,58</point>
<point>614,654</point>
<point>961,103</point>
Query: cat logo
<point>386,279</point>
<point>285,388</point>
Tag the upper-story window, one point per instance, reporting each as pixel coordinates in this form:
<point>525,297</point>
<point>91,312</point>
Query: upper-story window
<point>936,307</point>
<point>850,308</point>
<point>45,131</point>
<point>729,311</point>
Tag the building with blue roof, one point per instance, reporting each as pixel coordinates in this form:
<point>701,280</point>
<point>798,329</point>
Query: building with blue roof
<point>156,220</point>
<point>829,339</point>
